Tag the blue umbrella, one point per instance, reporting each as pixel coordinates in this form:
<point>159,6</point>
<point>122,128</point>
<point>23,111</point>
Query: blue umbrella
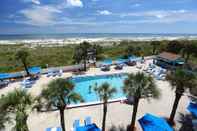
<point>34,70</point>
<point>153,123</point>
<point>193,108</point>
<point>107,62</point>
<point>135,58</point>
<point>121,61</point>
<point>91,127</point>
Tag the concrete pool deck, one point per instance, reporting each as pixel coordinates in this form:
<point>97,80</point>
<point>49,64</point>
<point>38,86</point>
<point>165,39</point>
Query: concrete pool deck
<point>118,114</point>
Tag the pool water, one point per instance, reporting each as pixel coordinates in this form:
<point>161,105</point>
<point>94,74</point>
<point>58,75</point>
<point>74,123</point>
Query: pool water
<point>85,85</point>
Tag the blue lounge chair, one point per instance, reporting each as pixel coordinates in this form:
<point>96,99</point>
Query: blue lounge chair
<point>88,121</point>
<point>76,124</point>
<point>54,129</point>
<point>91,127</point>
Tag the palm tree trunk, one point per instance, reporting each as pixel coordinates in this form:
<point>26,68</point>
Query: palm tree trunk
<point>25,125</point>
<point>154,48</point>
<point>62,119</point>
<point>84,64</point>
<point>26,69</point>
<point>134,114</point>
<point>104,115</point>
<point>187,57</point>
<point>175,105</point>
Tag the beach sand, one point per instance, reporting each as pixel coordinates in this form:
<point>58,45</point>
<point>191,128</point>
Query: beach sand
<point>118,114</point>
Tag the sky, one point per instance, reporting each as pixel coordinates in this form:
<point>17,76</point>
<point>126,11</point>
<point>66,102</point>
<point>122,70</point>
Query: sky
<point>97,16</point>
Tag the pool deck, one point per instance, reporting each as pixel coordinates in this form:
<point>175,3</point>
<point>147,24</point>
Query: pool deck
<point>118,114</point>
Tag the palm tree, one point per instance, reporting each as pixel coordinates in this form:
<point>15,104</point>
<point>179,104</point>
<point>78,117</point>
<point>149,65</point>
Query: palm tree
<point>174,46</point>
<point>139,86</point>
<point>105,92</point>
<point>180,80</point>
<point>58,95</point>
<point>189,49</point>
<point>138,51</point>
<point>81,53</point>
<point>22,55</point>
<point>155,44</point>
<point>20,104</point>
<point>129,50</point>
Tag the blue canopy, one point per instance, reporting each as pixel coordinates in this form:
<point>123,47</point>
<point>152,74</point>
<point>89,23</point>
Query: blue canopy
<point>193,108</point>
<point>121,61</point>
<point>91,127</point>
<point>9,75</point>
<point>4,75</point>
<point>107,62</point>
<point>54,129</point>
<point>134,58</point>
<point>153,123</point>
<point>34,70</point>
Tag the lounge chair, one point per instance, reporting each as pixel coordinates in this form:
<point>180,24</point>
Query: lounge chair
<point>27,83</point>
<point>91,127</point>
<point>131,63</point>
<point>119,66</point>
<point>54,129</point>
<point>87,121</point>
<point>49,74</point>
<point>3,83</point>
<point>105,68</point>
<point>60,73</point>
<point>76,124</point>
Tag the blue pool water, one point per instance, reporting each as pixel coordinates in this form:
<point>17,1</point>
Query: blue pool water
<point>82,85</point>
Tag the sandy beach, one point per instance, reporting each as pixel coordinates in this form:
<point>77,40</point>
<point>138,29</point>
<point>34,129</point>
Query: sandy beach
<point>104,40</point>
<point>118,114</point>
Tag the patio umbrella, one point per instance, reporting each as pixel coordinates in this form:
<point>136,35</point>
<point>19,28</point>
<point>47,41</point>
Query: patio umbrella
<point>153,123</point>
<point>193,108</point>
<point>34,70</point>
<point>91,127</point>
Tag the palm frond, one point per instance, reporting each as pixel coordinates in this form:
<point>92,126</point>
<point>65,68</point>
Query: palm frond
<point>141,86</point>
<point>181,80</point>
<point>60,92</point>
<point>105,92</point>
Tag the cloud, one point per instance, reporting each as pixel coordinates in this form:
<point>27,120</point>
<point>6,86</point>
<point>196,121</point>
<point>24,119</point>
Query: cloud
<point>46,15</point>
<point>104,12</point>
<point>136,5</point>
<point>161,14</point>
<point>40,15</point>
<point>74,3</point>
<point>37,2</point>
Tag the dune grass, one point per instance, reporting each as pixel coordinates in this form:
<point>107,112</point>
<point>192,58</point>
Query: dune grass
<point>62,56</point>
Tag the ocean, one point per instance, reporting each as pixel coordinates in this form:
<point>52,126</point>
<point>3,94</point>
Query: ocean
<point>93,35</point>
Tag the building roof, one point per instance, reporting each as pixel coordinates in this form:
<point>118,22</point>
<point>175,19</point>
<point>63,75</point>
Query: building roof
<point>169,56</point>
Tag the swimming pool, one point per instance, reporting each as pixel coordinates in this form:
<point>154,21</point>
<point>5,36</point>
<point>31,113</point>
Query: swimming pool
<point>85,85</point>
